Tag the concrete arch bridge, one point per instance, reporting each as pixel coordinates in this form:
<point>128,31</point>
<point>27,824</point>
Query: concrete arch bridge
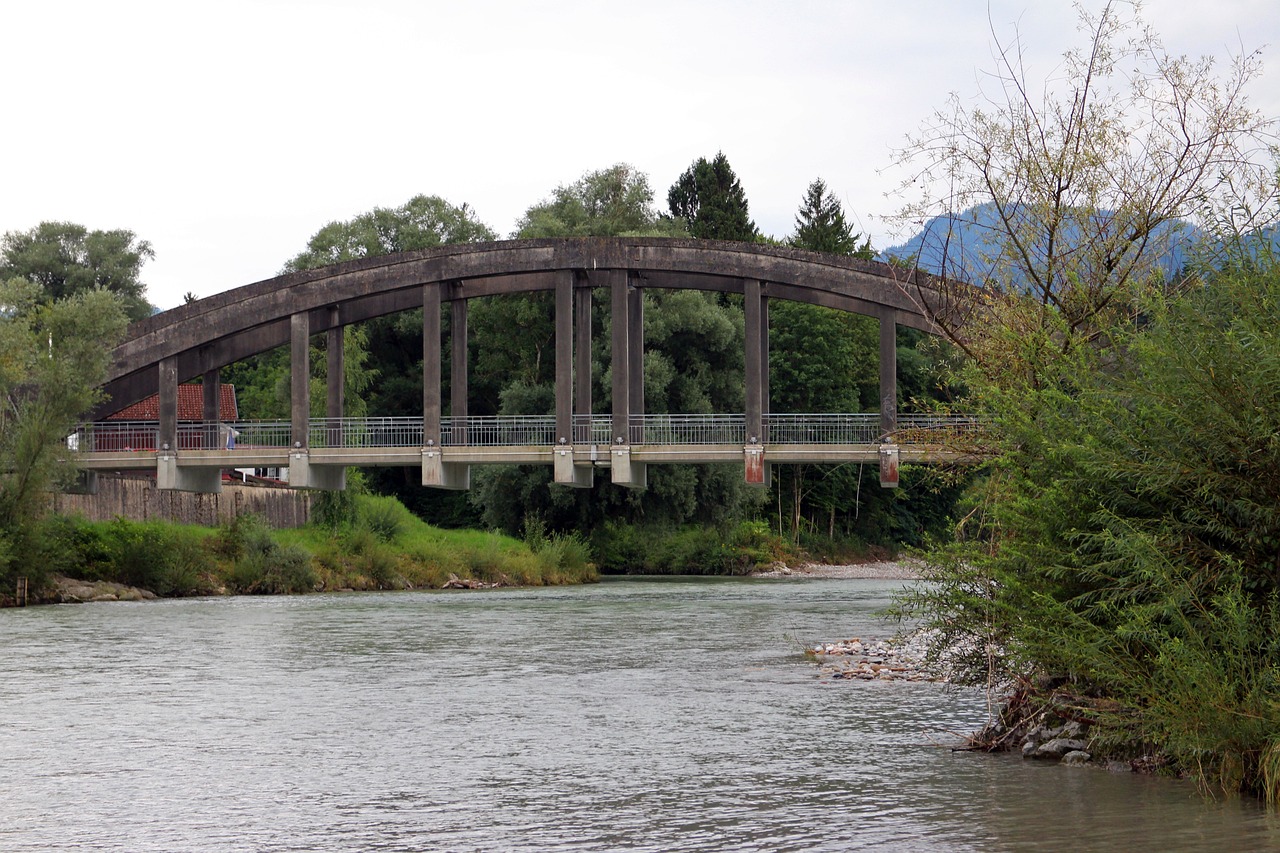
<point>200,338</point>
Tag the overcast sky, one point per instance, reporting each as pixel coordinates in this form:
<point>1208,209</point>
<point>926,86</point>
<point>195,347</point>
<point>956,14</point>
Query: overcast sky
<point>227,133</point>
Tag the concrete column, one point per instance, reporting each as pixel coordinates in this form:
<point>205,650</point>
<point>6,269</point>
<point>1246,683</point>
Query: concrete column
<point>755,360</point>
<point>764,363</point>
<point>335,376</point>
<point>167,437</point>
<point>888,371</point>
<point>635,359</point>
<point>458,391</point>
<point>300,378</point>
<point>436,471</point>
<point>582,359</point>
<point>621,362</point>
<point>564,359</point>
<point>431,364</point>
<point>211,406</point>
<point>335,368</point>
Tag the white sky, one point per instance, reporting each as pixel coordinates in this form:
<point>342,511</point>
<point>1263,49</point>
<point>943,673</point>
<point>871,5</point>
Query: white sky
<point>227,133</point>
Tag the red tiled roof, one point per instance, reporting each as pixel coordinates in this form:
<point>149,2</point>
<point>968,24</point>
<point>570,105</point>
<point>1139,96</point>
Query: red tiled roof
<point>190,405</point>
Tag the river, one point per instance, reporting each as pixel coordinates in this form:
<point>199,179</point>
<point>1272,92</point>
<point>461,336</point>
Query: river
<point>636,714</point>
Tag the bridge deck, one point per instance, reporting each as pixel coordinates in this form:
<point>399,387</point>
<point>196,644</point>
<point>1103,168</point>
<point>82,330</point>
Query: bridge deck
<point>336,444</point>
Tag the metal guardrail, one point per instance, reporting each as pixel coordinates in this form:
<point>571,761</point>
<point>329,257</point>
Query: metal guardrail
<point>519,430</point>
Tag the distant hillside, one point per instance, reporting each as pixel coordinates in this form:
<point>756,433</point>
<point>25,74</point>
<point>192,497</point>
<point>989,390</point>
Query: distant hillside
<point>959,239</point>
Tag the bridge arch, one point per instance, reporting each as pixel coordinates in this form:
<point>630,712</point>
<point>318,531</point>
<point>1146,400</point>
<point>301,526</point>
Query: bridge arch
<point>201,337</point>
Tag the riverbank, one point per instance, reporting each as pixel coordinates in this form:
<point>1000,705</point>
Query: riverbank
<point>872,570</point>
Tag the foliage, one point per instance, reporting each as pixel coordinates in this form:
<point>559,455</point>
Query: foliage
<point>52,358</point>
<point>1086,173</point>
<point>737,549</point>
<point>1127,536</point>
<point>64,259</point>
<point>710,201</point>
<point>821,225</point>
<point>1125,532</point>
<point>420,223</point>
<point>165,558</point>
<point>611,202</point>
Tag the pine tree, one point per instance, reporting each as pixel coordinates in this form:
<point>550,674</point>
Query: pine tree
<point>821,226</point>
<point>711,203</point>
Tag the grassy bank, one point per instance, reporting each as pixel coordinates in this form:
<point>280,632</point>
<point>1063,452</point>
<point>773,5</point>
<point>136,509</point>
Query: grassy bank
<point>367,543</point>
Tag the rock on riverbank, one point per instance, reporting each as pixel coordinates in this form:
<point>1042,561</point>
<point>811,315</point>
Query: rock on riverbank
<point>73,591</point>
<point>868,659</point>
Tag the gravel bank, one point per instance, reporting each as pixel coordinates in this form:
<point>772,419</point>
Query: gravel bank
<point>883,570</point>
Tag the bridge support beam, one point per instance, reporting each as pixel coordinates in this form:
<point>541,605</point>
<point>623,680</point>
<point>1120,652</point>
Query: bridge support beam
<point>758,471</point>
<point>167,435</point>
<point>756,370</point>
<point>622,471</point>
<point>889,466</point>
<point>171,477</point>
<point>564,471</point>
<point>888,371</point>
<point>211,407</point>
<point>458,391</point>
<point>299,379</point>
<point>625,472</point>
<point>335,378</point>
<point>436,473</point>
<point>304,475</point>
<point>439,474</point>
<point>582,335</point>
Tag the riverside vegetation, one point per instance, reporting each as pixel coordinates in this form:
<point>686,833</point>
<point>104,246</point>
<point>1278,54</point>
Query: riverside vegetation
<point>360,542</point>
<point>1117,566</point>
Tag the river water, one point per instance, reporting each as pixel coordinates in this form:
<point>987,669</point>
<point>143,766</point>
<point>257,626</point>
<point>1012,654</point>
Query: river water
<point>631,715</point>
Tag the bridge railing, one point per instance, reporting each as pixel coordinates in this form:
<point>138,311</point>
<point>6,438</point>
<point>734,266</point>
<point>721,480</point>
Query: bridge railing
<point>522,430</point>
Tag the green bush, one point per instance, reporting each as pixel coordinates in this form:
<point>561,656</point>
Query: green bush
<point>385,517</point>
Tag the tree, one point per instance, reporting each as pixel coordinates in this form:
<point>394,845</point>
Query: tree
<point>1087,176</point>
<point>53,358</point>
<point>821,226</point>
<point>709,200</point>
<point>611,202</point>
<point>420,223</point>
<point>1122,539</point>
<point>65,259</point>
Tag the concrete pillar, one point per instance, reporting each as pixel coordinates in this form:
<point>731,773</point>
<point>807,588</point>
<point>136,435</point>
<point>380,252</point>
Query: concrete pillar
<point>335,376</point>
<point>888,371</point>
<point>582,360</point>
<point>635,361</point>
<point>335,368</point>
<point>167,437</point>
<point>622,471</point>
<point>621,361</point>
<point>458,390</point>
<point>436,471</point>
<point>564,359</point>
<point>300,378</point>
<point>764,364</point>
<point>755,360</point>
<point>211,407</point>
<point>431,365</point>
<point>756,369</point>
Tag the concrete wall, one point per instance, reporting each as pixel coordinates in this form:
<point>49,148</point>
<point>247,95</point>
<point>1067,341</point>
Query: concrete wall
<point>138,499</point>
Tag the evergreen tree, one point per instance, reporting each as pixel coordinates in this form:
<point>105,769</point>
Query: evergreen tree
<point>821,226</point>
<point>709,199</point>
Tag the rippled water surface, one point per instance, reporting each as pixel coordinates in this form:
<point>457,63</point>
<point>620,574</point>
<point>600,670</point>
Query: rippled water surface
<point>631,715</point>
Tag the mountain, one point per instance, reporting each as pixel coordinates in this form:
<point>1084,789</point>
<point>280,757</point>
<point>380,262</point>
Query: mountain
<point>960,240</point>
